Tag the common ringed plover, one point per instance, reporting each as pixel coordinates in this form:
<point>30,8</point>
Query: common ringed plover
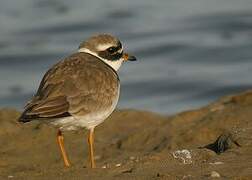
<point>80,91</point>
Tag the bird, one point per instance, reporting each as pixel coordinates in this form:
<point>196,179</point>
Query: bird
<point>80,91</point>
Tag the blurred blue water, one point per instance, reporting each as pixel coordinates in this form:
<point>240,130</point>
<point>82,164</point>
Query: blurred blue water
<point>190,51</point>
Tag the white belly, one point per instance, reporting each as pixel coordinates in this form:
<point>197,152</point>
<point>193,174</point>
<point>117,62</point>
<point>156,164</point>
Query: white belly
<point>88,121</point>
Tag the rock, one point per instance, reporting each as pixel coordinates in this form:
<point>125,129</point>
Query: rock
<point>215,174</point>
<point>223,143</point>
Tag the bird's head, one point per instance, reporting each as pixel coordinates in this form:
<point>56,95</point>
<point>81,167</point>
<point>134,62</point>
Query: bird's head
<point>107,48</point>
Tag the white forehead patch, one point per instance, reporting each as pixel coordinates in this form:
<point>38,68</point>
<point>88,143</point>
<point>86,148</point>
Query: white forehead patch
<point>103,47</point>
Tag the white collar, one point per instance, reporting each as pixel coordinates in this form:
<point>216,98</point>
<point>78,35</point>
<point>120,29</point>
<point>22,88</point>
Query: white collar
<point>114,64</point>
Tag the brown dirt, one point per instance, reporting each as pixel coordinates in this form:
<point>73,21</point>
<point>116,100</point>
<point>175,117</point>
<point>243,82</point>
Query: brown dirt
<point>136,145</point>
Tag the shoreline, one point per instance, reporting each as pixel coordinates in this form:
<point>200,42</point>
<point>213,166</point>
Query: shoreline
<point>212,141</point>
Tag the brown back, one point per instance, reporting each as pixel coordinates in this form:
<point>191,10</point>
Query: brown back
<point>78,85</point>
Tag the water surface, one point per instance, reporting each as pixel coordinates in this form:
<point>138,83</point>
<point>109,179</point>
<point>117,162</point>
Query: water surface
<point>190,52</point>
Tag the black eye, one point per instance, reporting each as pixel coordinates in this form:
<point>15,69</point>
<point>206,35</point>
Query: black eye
<point>111,50</point>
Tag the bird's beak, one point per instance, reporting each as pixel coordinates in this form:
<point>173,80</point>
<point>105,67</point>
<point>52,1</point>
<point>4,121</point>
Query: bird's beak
<point>128,57</point>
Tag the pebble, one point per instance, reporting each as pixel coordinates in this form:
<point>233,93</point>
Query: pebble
<point>132,158</point>
<point>118,165</point>
<point>215,174</point>
<point>216,163</point>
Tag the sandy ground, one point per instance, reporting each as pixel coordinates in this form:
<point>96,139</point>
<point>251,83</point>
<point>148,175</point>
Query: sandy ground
<point>137,145</point>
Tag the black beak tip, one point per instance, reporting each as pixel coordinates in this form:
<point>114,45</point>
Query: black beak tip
<point>132,58</point>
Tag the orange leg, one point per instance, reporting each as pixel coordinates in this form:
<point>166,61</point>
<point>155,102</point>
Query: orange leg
<point>91,147</point>
<point>60,140</point>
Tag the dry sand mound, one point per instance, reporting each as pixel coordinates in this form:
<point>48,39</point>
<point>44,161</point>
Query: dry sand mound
<point>139,145</point>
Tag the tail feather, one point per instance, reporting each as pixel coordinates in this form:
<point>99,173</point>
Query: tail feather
<point>42,109</point>
<point>26,118</point>
<point>29,115</point>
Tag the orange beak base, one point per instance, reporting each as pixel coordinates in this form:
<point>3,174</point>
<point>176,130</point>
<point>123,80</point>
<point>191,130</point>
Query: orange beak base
<point>128,57</point>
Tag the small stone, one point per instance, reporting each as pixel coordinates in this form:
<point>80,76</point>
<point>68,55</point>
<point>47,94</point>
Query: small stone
<point>216,163</point>
<point>215,174</point>
<point>104,167</point>
<point>127,170</point>
<point>10,176</point>
<point>132,158</point>
<point>118,165</point>
<point>187,176</point>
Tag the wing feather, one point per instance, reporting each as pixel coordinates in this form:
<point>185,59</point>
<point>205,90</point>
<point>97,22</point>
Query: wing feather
<point>77,85</point>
